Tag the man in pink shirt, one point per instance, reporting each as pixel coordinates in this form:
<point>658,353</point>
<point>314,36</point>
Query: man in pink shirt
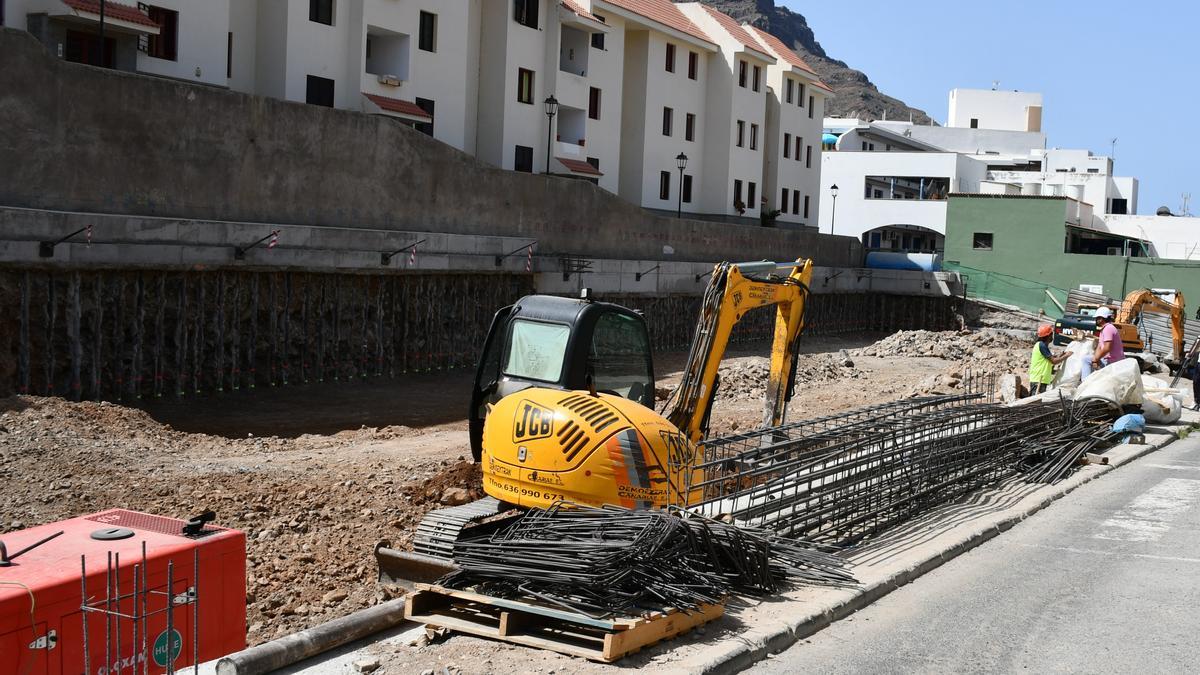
<point>1110,350</point>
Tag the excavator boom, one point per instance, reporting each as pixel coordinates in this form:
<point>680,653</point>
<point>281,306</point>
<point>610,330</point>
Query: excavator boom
<point>734,290</point>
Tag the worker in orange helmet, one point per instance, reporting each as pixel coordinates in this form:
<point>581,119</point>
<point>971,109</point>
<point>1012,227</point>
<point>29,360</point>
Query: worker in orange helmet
<point>1042,361</point>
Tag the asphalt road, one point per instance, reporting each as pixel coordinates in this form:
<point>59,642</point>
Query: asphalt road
<point>1106,580</point>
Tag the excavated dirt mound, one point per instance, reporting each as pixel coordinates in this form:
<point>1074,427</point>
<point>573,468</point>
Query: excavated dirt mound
<point>746,378</point>
<point>978,355</point>
<point>312,508</point>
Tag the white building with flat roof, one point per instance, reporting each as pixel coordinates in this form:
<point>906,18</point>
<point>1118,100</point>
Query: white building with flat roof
<point>993,146</point>
<point>994,109</point>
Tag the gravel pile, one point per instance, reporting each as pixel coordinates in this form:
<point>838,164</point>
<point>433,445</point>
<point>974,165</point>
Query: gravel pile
<point>745,379</point>
<point>975,354</point>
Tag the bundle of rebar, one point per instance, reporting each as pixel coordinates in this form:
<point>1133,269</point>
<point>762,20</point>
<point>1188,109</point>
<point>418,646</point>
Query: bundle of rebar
<point>618,562</point>
<point>839,479</point>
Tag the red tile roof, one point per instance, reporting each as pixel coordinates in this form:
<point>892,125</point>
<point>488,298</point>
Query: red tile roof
<point>775,45</point>
<point>398,106</point>
<point>735,30</point>
<point>579,11</point>
<point>664,12</point>
<point>112,10</point>
<point>577,166</point>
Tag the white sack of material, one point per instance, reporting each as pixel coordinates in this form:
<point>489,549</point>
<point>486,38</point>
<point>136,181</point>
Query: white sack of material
<point>1072,370</point>
<point>1160,403</point>
<point>1120,384</point>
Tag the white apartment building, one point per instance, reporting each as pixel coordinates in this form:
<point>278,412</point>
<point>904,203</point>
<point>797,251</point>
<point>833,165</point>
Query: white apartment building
<point>664,106</point>
<point>893,177</point>
<point>535,50</point>
<point>180,39</point>
<point>795,111</point>
<point>638,86</point>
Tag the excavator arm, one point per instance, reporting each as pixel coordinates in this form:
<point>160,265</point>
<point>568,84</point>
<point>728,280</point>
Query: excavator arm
<point>734,290</point>
<point>1146,300</point>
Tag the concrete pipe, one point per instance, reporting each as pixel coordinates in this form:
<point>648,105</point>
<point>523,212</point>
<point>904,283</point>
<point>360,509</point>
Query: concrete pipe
<point>296,647</point>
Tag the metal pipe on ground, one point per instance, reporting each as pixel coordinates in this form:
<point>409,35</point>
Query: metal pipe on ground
<point>296,647</point>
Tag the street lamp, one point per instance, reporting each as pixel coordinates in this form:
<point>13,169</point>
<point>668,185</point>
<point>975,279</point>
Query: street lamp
<point>551,110</point>
<point>833,190</point>
<point>681,162</point>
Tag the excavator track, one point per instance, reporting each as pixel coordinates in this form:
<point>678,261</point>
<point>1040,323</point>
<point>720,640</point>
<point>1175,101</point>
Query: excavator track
<point>439,529</point>
<point>432,556</point>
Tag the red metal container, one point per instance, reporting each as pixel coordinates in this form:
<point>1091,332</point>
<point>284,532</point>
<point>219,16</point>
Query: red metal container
<point>131,606</point>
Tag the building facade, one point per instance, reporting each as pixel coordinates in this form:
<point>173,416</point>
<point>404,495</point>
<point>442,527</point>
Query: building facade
<point>671,106</point>
<point>893,177</point>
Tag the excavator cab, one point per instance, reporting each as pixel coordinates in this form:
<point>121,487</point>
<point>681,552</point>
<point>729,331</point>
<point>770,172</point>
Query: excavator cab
<point>561,343</point>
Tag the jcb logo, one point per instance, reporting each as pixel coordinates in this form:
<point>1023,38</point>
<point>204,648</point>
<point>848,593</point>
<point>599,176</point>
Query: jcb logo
<point>532,422</point>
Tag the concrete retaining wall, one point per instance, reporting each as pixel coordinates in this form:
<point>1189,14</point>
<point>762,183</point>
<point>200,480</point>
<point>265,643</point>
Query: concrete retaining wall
<point>78,138</point>
<point>125,335</point>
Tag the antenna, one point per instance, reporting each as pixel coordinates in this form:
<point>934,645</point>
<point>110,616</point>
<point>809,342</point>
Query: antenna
<point>1113,153</point>
<point>1183,210</point>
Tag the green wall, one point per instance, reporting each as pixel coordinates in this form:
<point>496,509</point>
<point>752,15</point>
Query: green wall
<point>1026,259</point>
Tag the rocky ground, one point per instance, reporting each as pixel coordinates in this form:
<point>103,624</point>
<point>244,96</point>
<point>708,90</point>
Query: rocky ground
<point>313,505</point>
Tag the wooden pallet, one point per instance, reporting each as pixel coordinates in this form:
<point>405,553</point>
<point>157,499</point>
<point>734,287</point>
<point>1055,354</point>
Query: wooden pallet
<point>558,630</point>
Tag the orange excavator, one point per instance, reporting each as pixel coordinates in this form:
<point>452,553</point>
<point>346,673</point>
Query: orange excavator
<point>1129,315</point>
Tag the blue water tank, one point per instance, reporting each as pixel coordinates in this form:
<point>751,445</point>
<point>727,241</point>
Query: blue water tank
<point>828,139</point>
<point>889,260</point>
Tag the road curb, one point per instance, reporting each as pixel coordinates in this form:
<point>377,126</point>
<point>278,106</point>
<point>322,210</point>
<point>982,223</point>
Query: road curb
<point>754,646</point>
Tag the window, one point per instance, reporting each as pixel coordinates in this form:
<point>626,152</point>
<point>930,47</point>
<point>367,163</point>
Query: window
<point>428,35</point>
<point>593,103</point>
<point>753,136</point>
<point>687,188</point>
<point>805,206</point>
<point>810,107</point>
<point>664,185</point>
<point>1120,206</point>
<point>693,65</point>
<point>536,350</point>
<point>791,87</point>
<point>620,357</point>
<point>741,134</point>
<point>670,58</point>
<point>228,53</point>
<point>799,143</point>
<point>525,12</point>
<point>523,159</point>
<point>751,194</point>
<point>668,118</point>
<point>975,125</point>
<point>787,146</point>
<point>737,192</point>
<point>783,201</point>
<point>321,11</point>
<point>757,78</point>
<point>524,86</point>
<point>741,73</point>
<point>598,38</point>
<point>800,94</point>
<point>689,127</point>
<point>864,146</point>
<point>595,162</point>
<point>319,91</point>
<point>877,193</point>
<point>795,203</point>
<point>808,157</point>
<point>982,241</point>
<point>1093,170</point>
<point>165,44</point>
<point>426,105</point>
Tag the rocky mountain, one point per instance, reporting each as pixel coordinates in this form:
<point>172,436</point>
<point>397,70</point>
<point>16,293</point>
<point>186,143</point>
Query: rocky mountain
<point>856,94</point>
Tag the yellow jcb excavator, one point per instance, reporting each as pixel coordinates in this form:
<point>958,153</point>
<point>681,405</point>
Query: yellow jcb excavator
<point>1146,300</point>
<point>562,408</point>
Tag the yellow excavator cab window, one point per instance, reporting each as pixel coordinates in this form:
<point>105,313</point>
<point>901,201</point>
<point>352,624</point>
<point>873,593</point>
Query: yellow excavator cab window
<point>619,356</point>
<point>536,350</point>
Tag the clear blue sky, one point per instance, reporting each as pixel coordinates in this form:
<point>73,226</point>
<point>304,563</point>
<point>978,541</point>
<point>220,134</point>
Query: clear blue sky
<point>1106,69</point>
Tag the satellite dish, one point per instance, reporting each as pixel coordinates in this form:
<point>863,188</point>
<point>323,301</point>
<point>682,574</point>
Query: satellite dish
<point>1163,211</point>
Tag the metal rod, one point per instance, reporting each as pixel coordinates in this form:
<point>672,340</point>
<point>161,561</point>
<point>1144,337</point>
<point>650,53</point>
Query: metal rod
<point>87,662</point>
<point>170,616</point>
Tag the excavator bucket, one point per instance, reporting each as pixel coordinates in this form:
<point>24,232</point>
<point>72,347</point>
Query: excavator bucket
<point>405,568</point>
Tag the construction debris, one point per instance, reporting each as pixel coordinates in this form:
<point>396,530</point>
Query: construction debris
<point>616,562</point>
